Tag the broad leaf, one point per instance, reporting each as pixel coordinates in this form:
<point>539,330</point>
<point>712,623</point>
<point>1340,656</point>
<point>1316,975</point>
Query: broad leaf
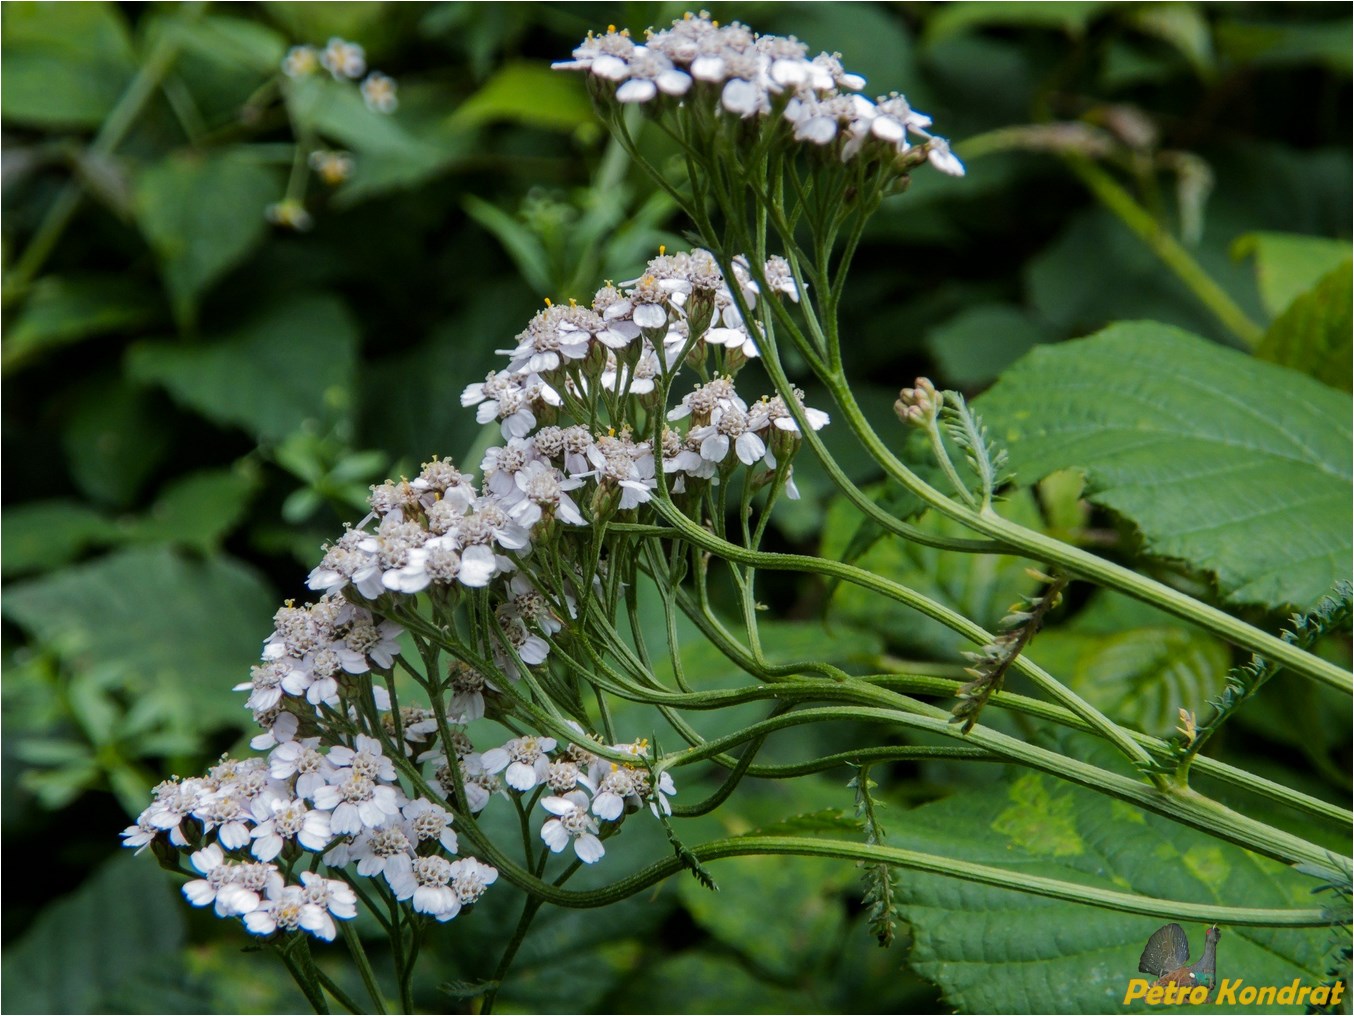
<point>1134,663</point>
<point>114,439</point>
<point>1073,18</point>
<point>60,311</point>
<point>1313,335</point>
<point>1289,264</point>
<point>978,343</point>
<point>780,913</point>
<point>118,927</point>
<point>203,214</point>
<point>40,535</point>
<point>198,510</point>
<point>291,363</point>
<point>1234,466</point>
<point>997,950</point>
<point>155,624</point>
<point>65,64</point>
<point>529,93</point>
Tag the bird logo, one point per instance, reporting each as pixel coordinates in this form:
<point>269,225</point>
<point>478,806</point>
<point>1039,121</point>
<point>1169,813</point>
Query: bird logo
<point>1167,955</point>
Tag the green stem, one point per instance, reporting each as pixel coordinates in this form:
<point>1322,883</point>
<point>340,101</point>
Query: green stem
<point>1167,248</point>
<point>359,955</point>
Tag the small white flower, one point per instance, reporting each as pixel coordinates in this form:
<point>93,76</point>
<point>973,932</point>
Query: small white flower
<point>572,822</point>
<point>344,59</point>
<point>378,92</point>
<point>428,821</point>
<point>524,758</point>
<point>424,880</point>
<point>470,877</point>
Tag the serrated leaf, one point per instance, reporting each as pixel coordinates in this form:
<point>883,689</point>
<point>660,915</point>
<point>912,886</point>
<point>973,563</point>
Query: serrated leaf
<point>71,961</point>
<point>466,989</point>
<point>65,64</point>
<point>202,215</point>
<point>1289,264</point>
<point>293,362</point>
<point>997,950</point>
<point>1237,467</point>
<point>41,535</point>
<point>1136,664</point>
<point>154,623</point>
<point>1314,334</point>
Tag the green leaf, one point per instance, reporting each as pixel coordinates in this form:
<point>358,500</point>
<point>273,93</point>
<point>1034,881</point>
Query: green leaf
<point>114,439</point>
<point>1289,264</point>
<point>1097,271</point>
<point>1073,17</point>
<point>1314,334</point>
<point>697,981</point>
<point>227,40</point>
<point>42,535</point>
<point>198,510</point>
<point>73,959</point>
<point>1234,466</point>
<point>978,343</point>
<point>66,65</point>
<point>314,23</point>
<point>997,950</point>
<point>522,245</point>
<point>202,215</point>
<point>1322,43</point>
<point>531,94</point>
<point>392,152</point>
<point>981,586</point>
<point>61,311</point>
<point>1134,663</point>
<point>1181,25</point>
<point>157,624</point>
<point>782,913</point>
<point>292,363</point>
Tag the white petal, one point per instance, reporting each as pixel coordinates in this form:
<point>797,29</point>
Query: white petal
<point>613,68</point>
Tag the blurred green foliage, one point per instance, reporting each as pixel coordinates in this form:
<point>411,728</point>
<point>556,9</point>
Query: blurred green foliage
<point>194,400</point>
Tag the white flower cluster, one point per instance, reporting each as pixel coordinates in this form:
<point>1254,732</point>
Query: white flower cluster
<point>246,814</point>
<point>585,789</point>
<point>439,529</point>
<point>578,385</point>
<point>345,61</point>
<point>740,73</point>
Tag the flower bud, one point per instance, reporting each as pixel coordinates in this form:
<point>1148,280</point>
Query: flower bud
<point>919,406</point>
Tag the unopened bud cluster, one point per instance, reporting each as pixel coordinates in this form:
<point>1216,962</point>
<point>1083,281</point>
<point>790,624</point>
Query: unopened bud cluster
<point>920,405</point>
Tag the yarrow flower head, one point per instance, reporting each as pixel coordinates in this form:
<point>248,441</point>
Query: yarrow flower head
<point>734,72</point>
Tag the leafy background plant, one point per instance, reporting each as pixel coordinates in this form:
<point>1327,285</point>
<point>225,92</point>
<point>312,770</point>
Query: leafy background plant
<point>194,401</point>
